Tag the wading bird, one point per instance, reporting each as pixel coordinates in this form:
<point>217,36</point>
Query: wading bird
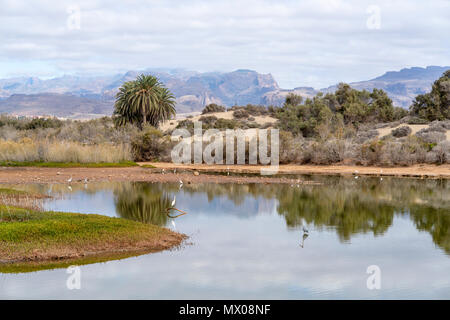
<point>305,235</point>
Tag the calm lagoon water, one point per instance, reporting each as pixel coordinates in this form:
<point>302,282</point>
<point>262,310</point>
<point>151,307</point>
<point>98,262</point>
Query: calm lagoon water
<point>247,241</point>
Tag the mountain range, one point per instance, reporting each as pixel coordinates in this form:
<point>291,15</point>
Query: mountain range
<point>80,97</point>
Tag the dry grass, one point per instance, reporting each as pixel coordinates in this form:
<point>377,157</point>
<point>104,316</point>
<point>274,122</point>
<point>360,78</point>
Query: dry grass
<point>28,150</point>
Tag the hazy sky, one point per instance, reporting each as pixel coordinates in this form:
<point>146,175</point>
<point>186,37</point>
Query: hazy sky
<point>301,43</point>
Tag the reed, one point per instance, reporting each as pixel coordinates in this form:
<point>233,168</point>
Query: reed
<point>29,150</point>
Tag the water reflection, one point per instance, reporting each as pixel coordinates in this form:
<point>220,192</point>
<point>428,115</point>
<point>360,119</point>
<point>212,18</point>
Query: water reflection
<point>142,202</point>
<point>349,207</point>
<point>265,241</point>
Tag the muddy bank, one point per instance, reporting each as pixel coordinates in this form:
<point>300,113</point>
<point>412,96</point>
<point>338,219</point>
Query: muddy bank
<point>422,171</point>
<point>168,172</point>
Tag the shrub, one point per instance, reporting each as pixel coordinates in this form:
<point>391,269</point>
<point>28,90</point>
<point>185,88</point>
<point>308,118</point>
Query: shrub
<point>401,132</point>
<point>151,145</point>
<point>291,150</point>
<point>440,154</point>
<point>431,137</point>
<point>239,114</point>
<point>213,108</point>
<point>414,120</point>
<point>208,121</point>
<point>364,136</point>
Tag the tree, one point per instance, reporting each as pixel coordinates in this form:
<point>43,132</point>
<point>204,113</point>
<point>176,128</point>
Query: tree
<point>434,105</point>
<point>294,99</point>
<point>347,106</point>
<point>144,100</point>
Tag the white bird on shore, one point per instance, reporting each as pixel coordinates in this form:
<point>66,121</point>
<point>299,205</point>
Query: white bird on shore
<point>305,230</point>
<point>174,201</point>
<point>86,180</point>
<point>70,179</point>
<point>356,177</point>
<point>181,183</point>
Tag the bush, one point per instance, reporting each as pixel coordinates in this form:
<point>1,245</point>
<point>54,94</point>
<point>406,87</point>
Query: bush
<point>151,145</point>
<point>401,132</point>
<point>431,136</point>
<point>213,108</point>
<point>240,114</point>
<point>364,136</point>
<point>440,154</point>
<point>208,121</point>
<point>414,120</point>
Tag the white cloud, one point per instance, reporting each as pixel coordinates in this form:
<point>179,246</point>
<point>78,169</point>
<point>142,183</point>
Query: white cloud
<point>315,43</point>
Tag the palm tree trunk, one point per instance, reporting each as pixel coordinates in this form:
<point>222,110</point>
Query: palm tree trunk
<point>145,117</point>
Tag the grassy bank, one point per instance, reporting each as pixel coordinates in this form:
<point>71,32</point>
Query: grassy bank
<point>67,164</point>
<point>31,239</point>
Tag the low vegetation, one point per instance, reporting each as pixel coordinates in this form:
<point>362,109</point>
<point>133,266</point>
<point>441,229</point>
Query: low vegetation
<point>211,108</point>
<point>339,127</point>
<point>29,234</point>
<point>436,104</point>
<point>29,151</point>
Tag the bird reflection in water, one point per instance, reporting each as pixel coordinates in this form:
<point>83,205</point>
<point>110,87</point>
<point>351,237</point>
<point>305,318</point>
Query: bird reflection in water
<point>305,235</point>
<point>181,213</point>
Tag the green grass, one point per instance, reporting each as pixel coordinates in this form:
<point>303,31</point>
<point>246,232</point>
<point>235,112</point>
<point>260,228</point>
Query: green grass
<point>67,164</point>
<point>13,192</point>
<point>51,237</point>
<point>148,166</point>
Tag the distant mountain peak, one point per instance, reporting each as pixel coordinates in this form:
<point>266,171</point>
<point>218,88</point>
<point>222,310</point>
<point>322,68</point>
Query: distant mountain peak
<point>427,73</point>
<point>79,95</point>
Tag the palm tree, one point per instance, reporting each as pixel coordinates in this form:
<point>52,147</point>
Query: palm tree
<point>144,100</point>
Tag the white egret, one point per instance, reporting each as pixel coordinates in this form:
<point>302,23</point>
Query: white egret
<point>70,179</point>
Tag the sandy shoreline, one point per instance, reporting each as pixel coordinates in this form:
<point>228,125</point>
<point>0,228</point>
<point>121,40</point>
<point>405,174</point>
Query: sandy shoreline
<point>169,172</point>
<point>423,170</point>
